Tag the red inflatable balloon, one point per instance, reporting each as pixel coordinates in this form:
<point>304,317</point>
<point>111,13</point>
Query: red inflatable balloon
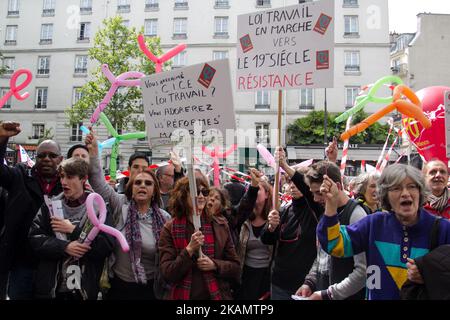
<point>430,143</point>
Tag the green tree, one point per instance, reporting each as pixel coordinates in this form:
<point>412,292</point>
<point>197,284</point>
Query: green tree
<point>117,46</point>
<point>310,129</point>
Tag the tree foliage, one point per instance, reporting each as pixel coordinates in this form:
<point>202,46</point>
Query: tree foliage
<point>310,129</point>
<point>117,46</point>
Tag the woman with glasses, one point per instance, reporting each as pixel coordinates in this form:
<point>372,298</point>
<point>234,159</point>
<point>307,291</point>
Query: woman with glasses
<point>391,241</point>
<point>140,219</point>
<point>199,264</point>
<point>255,256</point>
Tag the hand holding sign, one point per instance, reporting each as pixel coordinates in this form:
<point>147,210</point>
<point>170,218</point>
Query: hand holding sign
<point>98,222</point>
<point>15,90</point>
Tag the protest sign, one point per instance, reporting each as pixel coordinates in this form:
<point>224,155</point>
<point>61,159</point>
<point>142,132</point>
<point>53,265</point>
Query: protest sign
<point>286,48</point>
<point>447,122</point>
<point>181,98</point>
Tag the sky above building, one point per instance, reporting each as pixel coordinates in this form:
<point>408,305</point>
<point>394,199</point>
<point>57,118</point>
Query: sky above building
<point>403,13</point>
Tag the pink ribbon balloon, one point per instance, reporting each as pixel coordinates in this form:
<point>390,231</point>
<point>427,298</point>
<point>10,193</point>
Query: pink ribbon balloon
<point>159,61</point>
<point>216,155</point>
<point>267,156</point>
<point>15,90</point>
<point>122,80</point>
<point>98,222</point>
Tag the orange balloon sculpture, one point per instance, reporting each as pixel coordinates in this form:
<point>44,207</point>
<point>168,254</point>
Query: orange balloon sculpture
<point>411,108</point>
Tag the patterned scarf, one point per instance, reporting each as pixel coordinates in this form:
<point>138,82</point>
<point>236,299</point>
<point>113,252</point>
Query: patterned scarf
<point>439,203</point>
<point>182,290</point>
<point>134,238</point>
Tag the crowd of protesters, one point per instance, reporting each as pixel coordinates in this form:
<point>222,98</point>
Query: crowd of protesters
<point>387,238</point>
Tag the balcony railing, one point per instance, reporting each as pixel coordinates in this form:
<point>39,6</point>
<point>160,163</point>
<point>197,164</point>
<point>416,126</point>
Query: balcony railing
<point>221,34</point>
<point>262,106</point>
<point>151,6</point>
<point>306,107</point>
<point>123,8</point>
<point>179,36</point>
<point>80,70</point>
<point>262,3</point>
<point>181,5</point>
<point>13,13</point>
<point>45,41</point>
<point>400,70</point>
<point>43,71</point>
<point>86,10</point>
<point>354,68</point>
<point>351,34</point>
<point>222,4</point>
<point>8,71</point>
<point>83,38</point>
<point>10,42</point>
<point>48,12</point>
<point>40,106</point>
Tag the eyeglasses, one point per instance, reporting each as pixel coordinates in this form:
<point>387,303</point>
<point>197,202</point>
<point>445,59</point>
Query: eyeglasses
<point>148,183</point>
<point>410,188</point>
<point>44,155</point>
<point>204,192</point>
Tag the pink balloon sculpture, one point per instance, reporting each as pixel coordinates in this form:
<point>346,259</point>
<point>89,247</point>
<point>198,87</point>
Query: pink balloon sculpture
<point>122,80</point>
<point>98,222</point>
<point>215,155</point>
<point>267,156</point>
<point>15,91</point>
<point>159,61</point>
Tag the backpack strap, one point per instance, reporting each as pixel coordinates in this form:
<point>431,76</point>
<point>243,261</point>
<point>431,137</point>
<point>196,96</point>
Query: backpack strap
<point>344,218</point>
<point>434,236</point>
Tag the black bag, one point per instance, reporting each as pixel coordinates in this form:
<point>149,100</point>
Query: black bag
<point>161,288</point>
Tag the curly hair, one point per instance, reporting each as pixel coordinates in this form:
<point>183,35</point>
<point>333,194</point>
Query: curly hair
<point>179,202</point>
<point>224,197</point>
<point>156,199</point>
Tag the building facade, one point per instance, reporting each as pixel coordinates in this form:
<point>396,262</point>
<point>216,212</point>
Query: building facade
<point>51,38</point>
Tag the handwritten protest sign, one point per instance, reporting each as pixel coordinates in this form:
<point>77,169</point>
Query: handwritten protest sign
<point>286,48</point>
<point>181,98</point>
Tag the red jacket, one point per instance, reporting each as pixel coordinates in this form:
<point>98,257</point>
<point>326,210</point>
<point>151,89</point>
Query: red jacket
<point>445,213</point>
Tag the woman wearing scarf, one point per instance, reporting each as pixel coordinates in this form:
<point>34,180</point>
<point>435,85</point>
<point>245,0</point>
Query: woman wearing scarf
<point>436,178</point>
<point>138,216</point>
<point>196,274</point>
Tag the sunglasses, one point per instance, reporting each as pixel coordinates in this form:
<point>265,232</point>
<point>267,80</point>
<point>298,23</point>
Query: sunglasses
<point>148,183</point>
<point>44,155</point>
<point>204,192</point>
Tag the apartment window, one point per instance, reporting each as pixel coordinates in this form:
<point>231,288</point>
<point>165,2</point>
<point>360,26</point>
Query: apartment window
<point>351,25</point>
<point>81,64</point>
<point>76,133</point>
<point>350,96</point>
<point>222,4</point>
<point>38,131</point>
<point>181,4</point>
<point>262,100</point>
<point>151,5</point>
<point>85,6</point>
<point>351,60</point>
<point>221,26</point>
<point>262,133</point>
<point>49,8</point>
<point>180,28</point>
<point>41,98</point>
<point>3,92</point>
<point>76,95</point>
<point>46,33</point>
<point>43,65</point>
<point>151,27</point>
<point>262,3</point>
<point>179,60</point>
<point>350,3</point>
<point>10,64</point>
<point>13,7</point>
<point>85,31</point>
<point>219,55</point>
<point>11,35</point>
<point>307,99</point>
<point>123,6</point>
